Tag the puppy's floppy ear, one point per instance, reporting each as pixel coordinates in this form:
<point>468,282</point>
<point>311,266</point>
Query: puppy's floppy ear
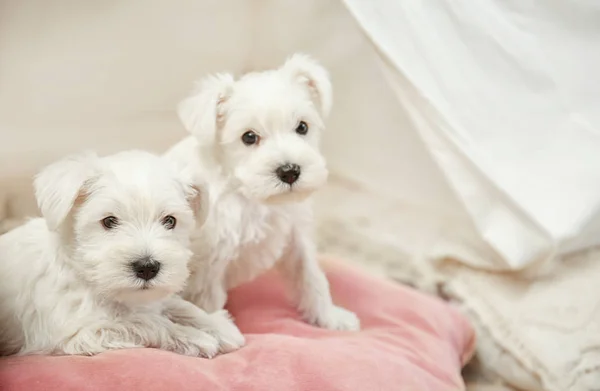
<point>311,74</point>
<point>58,185</point>
<point>196,194</point>
<point>202,111</point>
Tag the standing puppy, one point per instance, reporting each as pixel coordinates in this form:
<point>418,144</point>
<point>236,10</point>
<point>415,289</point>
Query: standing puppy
<point>256,143</point>
<point>101,269</point>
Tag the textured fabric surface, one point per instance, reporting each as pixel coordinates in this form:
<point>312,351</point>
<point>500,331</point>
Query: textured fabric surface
<point>410,341</point>
<point>540,335</point>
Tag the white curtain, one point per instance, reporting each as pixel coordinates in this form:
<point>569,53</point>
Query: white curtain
<point>505,94</point>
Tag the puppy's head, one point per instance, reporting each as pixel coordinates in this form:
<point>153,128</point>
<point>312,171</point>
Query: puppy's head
<point>264,128</point>
<point>125,220</point>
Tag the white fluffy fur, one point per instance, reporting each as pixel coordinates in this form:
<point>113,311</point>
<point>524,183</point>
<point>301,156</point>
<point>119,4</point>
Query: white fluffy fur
<point>255,219</point>
<point>67,282</point>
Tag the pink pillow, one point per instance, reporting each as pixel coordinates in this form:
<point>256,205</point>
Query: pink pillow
<point>409,341</point>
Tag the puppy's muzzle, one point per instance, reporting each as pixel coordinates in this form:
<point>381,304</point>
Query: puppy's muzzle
<point>145,268</point>
<point>288,173</point>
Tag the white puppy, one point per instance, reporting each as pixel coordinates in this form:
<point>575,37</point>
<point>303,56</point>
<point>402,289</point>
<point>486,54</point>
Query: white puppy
<point>256,142</point>
<point>99,271</point>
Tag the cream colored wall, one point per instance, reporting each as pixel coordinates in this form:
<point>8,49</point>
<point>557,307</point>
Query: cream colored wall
<point>107,76</point>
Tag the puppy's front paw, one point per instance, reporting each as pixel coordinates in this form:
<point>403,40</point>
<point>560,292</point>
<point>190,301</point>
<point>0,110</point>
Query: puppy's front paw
<point>190,341</point>
<point>336,318</point>
<point>93,341</point>
<point>226,332</point>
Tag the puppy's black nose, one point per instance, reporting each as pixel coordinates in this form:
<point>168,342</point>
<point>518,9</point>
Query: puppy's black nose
<point>146,268</point>
<point>288,173</point>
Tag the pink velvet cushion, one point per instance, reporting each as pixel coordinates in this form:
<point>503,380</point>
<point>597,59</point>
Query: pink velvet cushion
<point>409,342</point>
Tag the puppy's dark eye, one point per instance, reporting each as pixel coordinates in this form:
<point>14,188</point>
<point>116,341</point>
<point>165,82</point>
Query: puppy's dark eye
<point>109,222</point>
<point>302,128</point>
<point>250,138</point>
<point>169,222</point>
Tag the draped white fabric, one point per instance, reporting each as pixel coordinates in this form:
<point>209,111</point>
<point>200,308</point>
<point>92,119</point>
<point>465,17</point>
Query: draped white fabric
<point>506,96</point>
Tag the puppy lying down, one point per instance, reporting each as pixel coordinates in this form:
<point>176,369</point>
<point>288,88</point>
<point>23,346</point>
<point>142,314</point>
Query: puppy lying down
<point>101,269</point>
